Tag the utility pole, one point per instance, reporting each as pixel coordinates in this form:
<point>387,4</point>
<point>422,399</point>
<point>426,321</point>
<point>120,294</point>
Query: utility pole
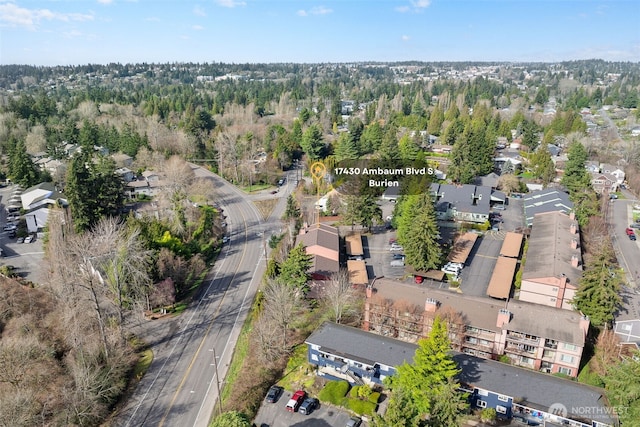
<point>215,362</point>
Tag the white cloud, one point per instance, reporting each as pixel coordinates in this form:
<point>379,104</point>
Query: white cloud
<point>416,6</point>
<point>198,27</point>
<point>152,19</point>
<point>105,1</point>
<point>197,10</point>
<point>71,34</point>
<point>318,10</point>
<point>16,16</point>
<point>405,38</point>
<point>230,3</point>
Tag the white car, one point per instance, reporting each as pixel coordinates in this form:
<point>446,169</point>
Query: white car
<point>9,227</point>
<point>225,239</point>
<point>29,239</point>
<point>396,248</point>
<point>450,269</point>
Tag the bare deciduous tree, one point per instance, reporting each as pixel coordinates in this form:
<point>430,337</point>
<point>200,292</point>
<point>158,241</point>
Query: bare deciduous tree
<point>340,296</point>
<point>281,304</point>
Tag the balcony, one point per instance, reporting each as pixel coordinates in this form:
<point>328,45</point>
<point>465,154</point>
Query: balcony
<point>523,339</point>
<point>521,349</point>
<point>486,346</point>
<point>548,356</point>
<point>480,333</point>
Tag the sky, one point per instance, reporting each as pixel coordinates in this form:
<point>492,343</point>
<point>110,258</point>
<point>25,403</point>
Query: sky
<point>74,32</point>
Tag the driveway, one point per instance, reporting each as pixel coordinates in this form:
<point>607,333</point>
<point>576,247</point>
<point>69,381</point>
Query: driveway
<point>476,275</point>
<point>275,415</point>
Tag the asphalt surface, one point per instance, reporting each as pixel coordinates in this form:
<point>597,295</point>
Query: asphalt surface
<point>181,386</point>
<point>26,258</point>
<point>275,415</point>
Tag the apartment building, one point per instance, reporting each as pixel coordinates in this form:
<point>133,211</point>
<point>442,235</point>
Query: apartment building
<point>322,242</point>
<point>553,264</point>
<point>530,335</point>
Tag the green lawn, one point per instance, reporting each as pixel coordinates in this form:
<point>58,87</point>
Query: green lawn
<point>256,187</point>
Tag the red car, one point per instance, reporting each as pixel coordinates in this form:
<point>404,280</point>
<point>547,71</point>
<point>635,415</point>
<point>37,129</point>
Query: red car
<point>296,400</point>
<point>629,231</point>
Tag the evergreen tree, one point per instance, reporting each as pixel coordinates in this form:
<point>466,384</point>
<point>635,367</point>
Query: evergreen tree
<point>293,270</point>
<point>418,232</point>
<point>401,412</point>
<point>448,405</point>
<point>389,148</point>
<point>432,367</point>
<point>346,148</point>
<point>371,138</point>
<point>292,210</point>
<point>408,148</point>
<point>231,419</point>
<point>598,295</point>
<point>541,164</point>
<point>623,388</point>
<point>362,210</point>
<point>312,143</point>
<point>21,168</point>
<point>575,176</point>
<point>435,121</point>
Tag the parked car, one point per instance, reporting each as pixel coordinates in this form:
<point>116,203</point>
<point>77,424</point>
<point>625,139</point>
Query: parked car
<point>274,393</point>
<point>309,405</point>
<point>29,239</point>
<point>396,248</point>
<point>397,263</point>
<point>629,231</point>
<point>613,196</point>
<point>397,256</point>
<point>20,240</point>
<point>225,239</point>
<point>632,237</point>
<point>452,269</point>
<point>9,227</point>
<point>296,400</point>
<point>636,225</point>
<point>354,422</point>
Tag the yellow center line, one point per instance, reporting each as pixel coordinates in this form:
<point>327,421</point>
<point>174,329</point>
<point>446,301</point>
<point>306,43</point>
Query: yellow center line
<point>206,334</point>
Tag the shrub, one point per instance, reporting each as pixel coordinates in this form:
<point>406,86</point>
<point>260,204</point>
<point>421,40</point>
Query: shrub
<point>361,407</point>
<point>488,415</point>
<point>504,359</point>
<point>334,392</point>
<point>374,397</point>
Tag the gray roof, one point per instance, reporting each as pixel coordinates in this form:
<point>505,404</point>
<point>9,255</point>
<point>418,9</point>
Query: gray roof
<point>322,235</point>
<point>548,200</point>
<point>537,390</point>
<point>490,180</point>
<point>465,198</point>
<point>550,251</point>
<point>554,150</point>
<point>628,331</point>
<point>356,344</point>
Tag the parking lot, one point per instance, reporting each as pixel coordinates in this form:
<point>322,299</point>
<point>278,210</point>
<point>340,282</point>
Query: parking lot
<point>26,258</point>
<point>275,415</point>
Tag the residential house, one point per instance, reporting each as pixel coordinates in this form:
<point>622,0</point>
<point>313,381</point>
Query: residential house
<point>37,201</point>
<point>530,335</point>
<point>604,182</point>
<point>554,261</point>
<point>468,203</point>
<point>490,180</point>
<point>126,174</point>
<point>323,243</point>
<point>150,184</point>
<point>122,160</point>
<point>440,148</point>
<point>345,353</point>
<point>613,170</point>
<point>554,150</point>
<point>592,166</point>
<point>549,200</point>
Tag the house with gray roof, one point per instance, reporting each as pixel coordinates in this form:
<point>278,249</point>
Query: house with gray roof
<point>468,203</point>
<point>322,242</point>
<point>549,200</point>
<point>345,353</point>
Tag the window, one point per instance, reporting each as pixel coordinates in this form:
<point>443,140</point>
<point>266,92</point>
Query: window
<point>481,404</point>
<point>502,398</point>
<point>570,347</point>
<point>565,371</point>
<point>566,358</point>
<point>501,409</point>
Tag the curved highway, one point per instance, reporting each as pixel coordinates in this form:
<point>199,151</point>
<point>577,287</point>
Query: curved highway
<point>180,388</point>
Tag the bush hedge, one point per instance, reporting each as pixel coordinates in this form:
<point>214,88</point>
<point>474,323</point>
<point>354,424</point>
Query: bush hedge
<point>361,407</point>
<point>334,392</point>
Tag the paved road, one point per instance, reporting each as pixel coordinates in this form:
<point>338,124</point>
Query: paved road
<point>180,388</point>
<point>619,217</point>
